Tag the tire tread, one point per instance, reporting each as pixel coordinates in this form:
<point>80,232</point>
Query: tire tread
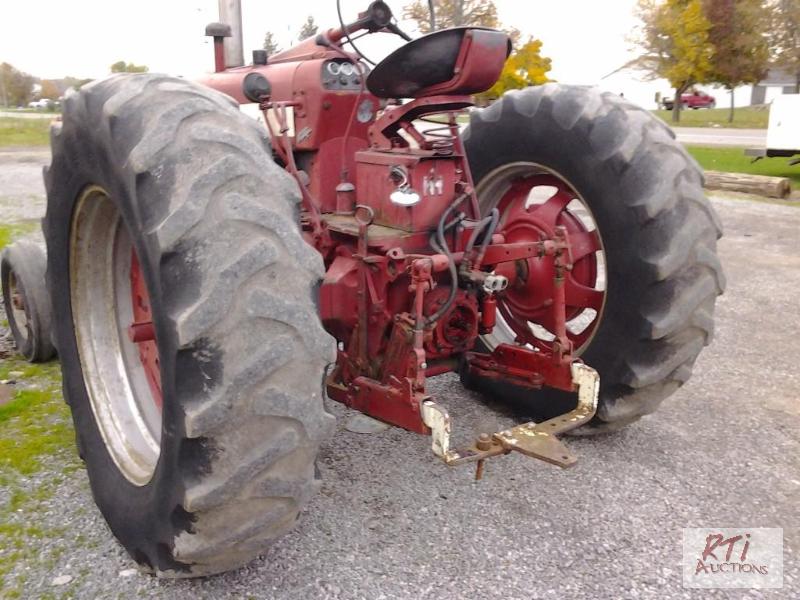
<point>192,146</point>
<point>685,275</point>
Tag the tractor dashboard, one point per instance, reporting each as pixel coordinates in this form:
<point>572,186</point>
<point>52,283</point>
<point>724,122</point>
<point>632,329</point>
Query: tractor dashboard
<point>340,74</point>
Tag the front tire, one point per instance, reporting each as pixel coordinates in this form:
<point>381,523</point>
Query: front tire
<point>22,268</point>
<point>191,350</point>
<point>658,233</point>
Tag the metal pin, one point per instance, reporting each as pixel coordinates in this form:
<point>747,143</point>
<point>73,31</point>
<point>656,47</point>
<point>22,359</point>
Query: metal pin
<point>484,442</point>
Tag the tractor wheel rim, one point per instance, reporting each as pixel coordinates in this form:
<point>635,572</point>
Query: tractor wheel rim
<point>19,305</point>
<point>109,296</point>
<point>533,200</point>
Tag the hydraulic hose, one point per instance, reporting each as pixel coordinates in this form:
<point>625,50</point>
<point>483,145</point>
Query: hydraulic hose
<point>439,244</point>
<point>491,222</point>
<point>494,219</point>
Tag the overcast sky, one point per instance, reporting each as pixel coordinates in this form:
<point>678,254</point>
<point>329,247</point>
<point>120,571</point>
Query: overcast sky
<point>586,39</point>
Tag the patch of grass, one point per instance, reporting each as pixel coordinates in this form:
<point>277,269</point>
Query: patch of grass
<point>24,132</point>
<point>21,542</point>
<point>36,423</point>
<point>733,160</point>
<point>746,117</point>
<point>20,499</point>
<point>8,233</point>
<point>33,110</point>
<point>48,373</point>
<point>34,426</point>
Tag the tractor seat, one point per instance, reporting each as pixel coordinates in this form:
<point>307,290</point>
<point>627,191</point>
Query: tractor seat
<point>457,61</point>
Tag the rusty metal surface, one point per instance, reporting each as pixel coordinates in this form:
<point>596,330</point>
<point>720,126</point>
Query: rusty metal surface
<point>537,440</point>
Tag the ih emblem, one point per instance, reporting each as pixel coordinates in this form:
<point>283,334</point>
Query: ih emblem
<point>433,185</point>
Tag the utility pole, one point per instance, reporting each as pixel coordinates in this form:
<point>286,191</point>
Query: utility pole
<point>3,87</point>
<point>230,13</point>
<point>458,13</point>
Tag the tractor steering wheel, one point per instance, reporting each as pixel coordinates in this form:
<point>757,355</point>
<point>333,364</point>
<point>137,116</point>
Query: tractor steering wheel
<point>380,18</point>
<point>377,17</point>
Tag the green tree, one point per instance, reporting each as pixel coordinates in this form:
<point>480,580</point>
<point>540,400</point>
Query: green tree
<point>525,67</point>
<point>308,29</point>
<point>122,67</point>
<point>16,87</point>
<point>738,37</point>
<point>270,45</point>
<point>784,37</point>
<point>674,39</point>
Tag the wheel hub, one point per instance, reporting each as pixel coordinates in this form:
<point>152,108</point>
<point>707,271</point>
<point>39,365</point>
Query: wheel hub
<point>142,332</point>
<point>532,203</point>
<point>18,308</point>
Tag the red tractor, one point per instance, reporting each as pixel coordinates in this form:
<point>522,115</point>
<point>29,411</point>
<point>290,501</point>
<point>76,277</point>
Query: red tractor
<point>213,279</point>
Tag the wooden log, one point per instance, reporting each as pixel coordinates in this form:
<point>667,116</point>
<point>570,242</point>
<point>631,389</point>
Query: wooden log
<point>761,185</point>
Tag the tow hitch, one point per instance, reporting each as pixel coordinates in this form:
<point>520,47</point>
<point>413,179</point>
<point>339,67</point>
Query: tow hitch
<point>537,440</point>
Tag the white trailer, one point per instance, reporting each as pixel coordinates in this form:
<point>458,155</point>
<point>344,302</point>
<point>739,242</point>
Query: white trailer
<point>783,131</point>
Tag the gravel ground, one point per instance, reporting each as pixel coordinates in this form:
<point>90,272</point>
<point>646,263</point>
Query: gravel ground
<point>391,522</point>
<point>22,195</point>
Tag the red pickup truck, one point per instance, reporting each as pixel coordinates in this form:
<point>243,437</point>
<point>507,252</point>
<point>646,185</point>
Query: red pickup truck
<point>692,100</point>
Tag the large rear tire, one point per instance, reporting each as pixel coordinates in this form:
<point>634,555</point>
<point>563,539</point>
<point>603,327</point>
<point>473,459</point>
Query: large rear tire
<point>658,232</point>
<point>200,431</point>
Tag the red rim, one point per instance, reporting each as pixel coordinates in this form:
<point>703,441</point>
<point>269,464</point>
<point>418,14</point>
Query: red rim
<point>528,300</point>
<point>19,307</point>
<point>142,331</point>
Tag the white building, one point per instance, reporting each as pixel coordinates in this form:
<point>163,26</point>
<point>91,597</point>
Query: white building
<point>776,82</point>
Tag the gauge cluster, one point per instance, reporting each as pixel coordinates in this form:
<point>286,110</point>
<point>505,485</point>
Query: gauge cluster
<point>341,75</point>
